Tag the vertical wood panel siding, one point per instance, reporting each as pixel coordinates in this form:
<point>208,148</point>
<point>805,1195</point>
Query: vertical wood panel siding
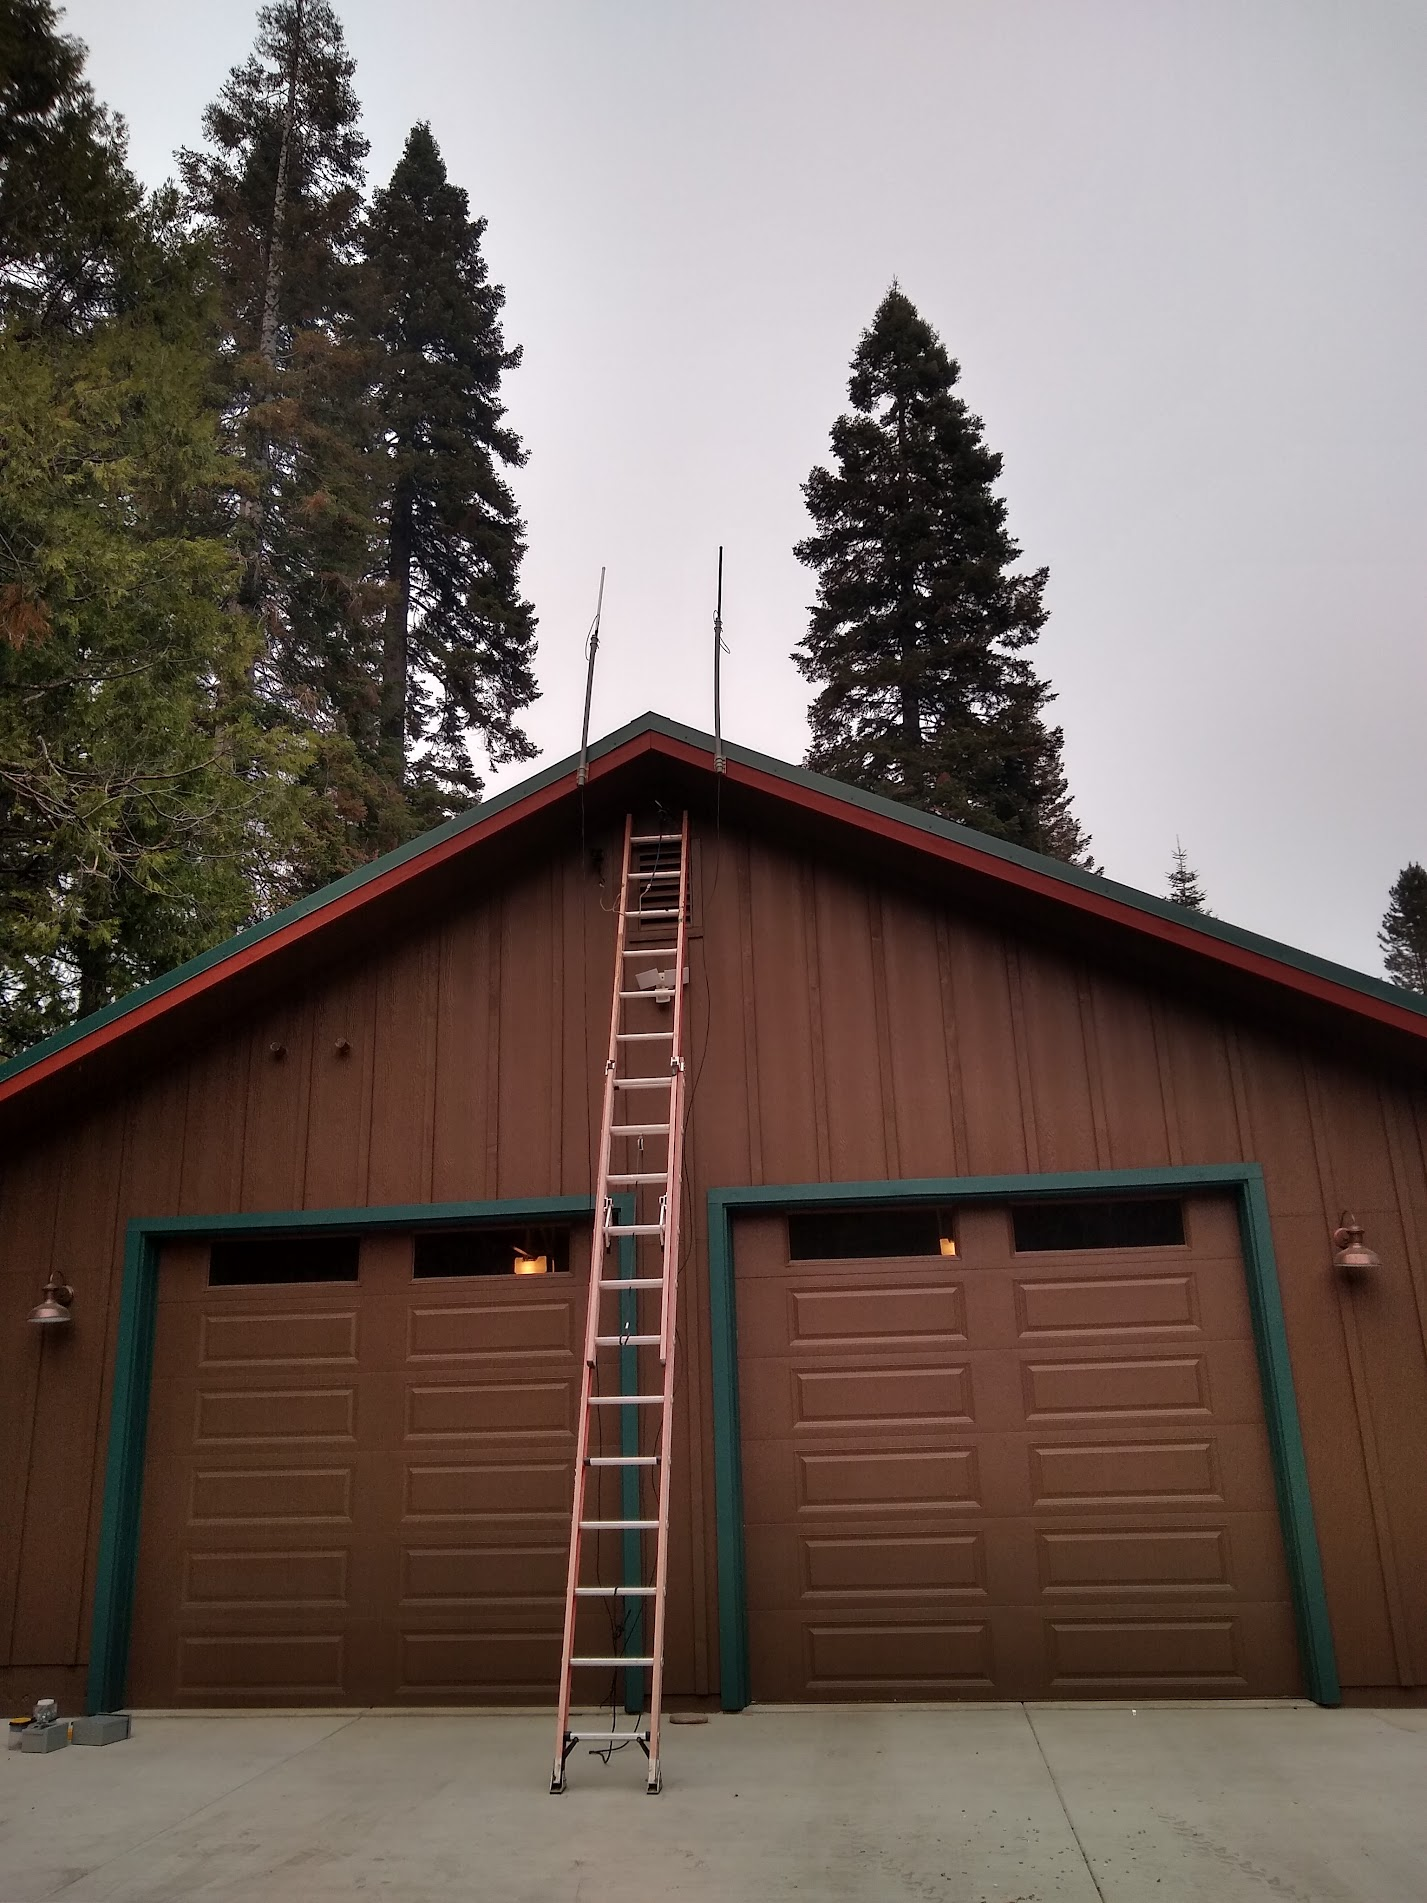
<point>1119,1028</point>
<point>214,1127</point>
<point>29,1205</point>
<point>916,1052</point>
<point>784,985</point>
<point>50,1585</point>
<point>840,1030</point>
<point>154,1122</point>
<point>460,1137</point>
<point>1000,1120</point>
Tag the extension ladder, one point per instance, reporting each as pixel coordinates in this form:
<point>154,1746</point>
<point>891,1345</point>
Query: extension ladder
<point>636,1216</point>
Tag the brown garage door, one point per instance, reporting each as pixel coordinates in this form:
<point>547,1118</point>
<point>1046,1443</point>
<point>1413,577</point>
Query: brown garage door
<point>357,1492</point>
<point>1012,1473</point>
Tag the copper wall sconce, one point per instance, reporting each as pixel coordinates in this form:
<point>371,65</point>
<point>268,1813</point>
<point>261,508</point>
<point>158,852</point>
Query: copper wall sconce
<point>53,1311</point>
<point>1350,1253</point>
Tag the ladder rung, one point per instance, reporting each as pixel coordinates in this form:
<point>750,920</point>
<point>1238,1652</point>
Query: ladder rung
<point>634,1229</point>
<point>626,1341</point>
<point>616,1663</point>
<point>638,1176</point>
<point>615,1592</point>
<point>636,1281</point>
<point>644,1083</point>
<point>639,1037</point>
<point>651,951</point>
<point>655,839</point>
<point>606,1737</point>
<point>621,1460</point>
<point>639,1129</point>
<point>653,911</point>
<point>653,993</point>
<point>655,872</point>
<point>618,1526</point>
<point>626,1400</point>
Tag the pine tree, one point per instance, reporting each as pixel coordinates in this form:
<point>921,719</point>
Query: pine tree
<point>458,637</point>
<point>1184,886</point>
<point>920,631</point>
<point>145,810</point>
<point>277,196</point>
<point>68,204</point>
<point>279,191</point>
<point>1403,936</point>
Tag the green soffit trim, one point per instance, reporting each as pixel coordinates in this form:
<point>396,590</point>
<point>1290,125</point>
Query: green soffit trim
<point>792,776</point>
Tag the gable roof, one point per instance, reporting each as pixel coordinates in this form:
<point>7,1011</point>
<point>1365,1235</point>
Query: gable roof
<point>1029,876</point>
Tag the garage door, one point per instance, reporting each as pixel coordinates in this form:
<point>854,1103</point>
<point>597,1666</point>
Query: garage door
<point>1033,1468</point>
<point>358,1472</point>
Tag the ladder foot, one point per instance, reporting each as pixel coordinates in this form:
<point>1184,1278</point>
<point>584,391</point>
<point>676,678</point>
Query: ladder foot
<point>557,1774</point>
<point>656,1782</point>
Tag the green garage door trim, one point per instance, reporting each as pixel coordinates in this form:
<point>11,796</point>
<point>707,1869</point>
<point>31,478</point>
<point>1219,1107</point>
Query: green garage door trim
<point>1290,1471</point>
<point>124,1472</point>
<point>133,1370</point>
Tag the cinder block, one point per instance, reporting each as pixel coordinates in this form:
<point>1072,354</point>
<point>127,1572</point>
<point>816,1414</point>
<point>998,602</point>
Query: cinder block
<point>111,1727</point>
<point>45,1737</point>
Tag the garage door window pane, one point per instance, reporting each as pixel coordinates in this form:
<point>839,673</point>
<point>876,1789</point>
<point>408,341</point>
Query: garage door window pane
<point>259,1261</point>
<point>536,1250</point>
<point>837,1234</point>
<point>1146,1224</point>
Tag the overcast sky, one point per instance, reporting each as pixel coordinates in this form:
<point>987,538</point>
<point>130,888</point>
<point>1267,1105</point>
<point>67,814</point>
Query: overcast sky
<point>1178,251</point>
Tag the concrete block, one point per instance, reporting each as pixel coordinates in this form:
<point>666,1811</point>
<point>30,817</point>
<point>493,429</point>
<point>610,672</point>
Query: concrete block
<point>45,1737</point>
<point>111,1727</point>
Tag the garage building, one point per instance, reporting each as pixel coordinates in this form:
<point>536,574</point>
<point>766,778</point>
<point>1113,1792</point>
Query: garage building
<point>1018,1357</point>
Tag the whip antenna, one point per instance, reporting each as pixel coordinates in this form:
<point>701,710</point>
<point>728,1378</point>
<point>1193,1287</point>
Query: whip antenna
<point>592,642</point>
<point>720,649</point>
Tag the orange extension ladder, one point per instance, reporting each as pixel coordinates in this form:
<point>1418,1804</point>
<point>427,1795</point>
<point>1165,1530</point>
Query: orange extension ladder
<point>641,1157</point>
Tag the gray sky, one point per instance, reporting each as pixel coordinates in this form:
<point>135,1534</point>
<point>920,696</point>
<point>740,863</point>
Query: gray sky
<point>1178,252</point>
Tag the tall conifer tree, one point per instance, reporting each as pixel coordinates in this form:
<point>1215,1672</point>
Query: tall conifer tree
<point>279,187</point>
<point>145,810</point>
<point>68,203</point>
<point>1403,936</point>
<point>458,637</point>
<point>277,194</point>
<point>919,635</point>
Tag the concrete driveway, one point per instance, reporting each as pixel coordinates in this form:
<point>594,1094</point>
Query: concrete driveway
<point>990,1804</point>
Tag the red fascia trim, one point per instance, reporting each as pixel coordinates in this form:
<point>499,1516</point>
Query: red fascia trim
<point>317,920</point>
<point>1097,905</point>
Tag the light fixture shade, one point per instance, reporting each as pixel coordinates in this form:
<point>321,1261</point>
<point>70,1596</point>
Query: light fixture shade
<point>1350,1252</point>
<point>53,1310</point>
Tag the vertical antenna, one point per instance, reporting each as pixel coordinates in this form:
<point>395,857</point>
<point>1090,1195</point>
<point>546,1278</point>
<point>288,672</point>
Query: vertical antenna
<point>719,762</point>
<point>592,642</point>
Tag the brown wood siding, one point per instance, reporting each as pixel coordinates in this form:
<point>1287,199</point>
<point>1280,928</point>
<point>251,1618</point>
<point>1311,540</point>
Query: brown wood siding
<point>842,1030</point>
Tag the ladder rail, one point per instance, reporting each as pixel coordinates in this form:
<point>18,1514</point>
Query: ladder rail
<point>631,1338</point>
<point>592,1322</point>
<point>678,1077</point>
<point>670,1319</point>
